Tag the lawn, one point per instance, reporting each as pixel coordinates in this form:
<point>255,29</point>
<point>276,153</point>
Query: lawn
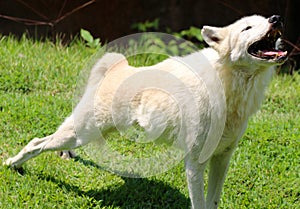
<point>37,87</point>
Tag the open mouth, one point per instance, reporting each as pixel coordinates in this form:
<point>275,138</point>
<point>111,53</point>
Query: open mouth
<point>266,47</point>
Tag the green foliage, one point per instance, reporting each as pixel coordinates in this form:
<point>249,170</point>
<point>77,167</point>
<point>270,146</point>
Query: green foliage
<point>192,34</point>
<point>146,26</point>
<point>90,41</point>
<point>37,81</point>
<point>156,48</point>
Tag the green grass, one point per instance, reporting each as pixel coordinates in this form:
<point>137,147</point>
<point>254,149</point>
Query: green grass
<point>37,85</point>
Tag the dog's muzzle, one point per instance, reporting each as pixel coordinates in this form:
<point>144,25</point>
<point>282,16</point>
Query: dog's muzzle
<point>267,47</point>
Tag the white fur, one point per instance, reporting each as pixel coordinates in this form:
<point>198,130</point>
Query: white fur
<point>244,79</point>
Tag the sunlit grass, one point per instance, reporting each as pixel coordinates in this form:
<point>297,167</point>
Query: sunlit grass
<point>37,85</point>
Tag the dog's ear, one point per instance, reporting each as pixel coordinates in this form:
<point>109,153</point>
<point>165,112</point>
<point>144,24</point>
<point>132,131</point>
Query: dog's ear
<point>213,36</point>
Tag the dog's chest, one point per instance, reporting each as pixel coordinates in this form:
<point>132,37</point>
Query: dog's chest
<point>243,98</point>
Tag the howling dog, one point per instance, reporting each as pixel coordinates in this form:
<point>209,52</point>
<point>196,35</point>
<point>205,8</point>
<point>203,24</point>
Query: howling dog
<point>243,54</point>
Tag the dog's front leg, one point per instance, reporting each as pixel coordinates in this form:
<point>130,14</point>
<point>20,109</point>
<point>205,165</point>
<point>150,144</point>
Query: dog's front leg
<point>195,179</point>
<point>217,172</point>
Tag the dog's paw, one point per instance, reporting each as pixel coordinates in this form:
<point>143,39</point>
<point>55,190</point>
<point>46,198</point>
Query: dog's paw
<point>8,163</point>
<point>67,154</point>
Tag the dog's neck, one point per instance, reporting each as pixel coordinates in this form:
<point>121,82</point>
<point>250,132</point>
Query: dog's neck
<point>239,83</point>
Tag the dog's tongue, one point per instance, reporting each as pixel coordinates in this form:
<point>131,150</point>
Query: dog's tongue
<point>275,53</point>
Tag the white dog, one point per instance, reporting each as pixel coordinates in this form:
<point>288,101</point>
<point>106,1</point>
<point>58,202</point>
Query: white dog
<point>243,54</point>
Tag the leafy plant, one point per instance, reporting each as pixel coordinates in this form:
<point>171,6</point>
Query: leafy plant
<point>90,40</point>
<point>192,34</point>
<point>147,25</point>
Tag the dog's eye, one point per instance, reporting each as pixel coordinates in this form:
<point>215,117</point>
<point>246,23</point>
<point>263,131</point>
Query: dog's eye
<point>247,28</point>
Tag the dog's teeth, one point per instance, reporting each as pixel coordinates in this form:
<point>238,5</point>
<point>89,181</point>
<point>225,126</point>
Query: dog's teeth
<point>278,44</point>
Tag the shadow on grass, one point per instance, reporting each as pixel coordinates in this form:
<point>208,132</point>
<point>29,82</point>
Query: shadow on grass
<point>133,194</point>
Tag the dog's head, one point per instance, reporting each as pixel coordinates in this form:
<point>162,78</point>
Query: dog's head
<point>252,39</point>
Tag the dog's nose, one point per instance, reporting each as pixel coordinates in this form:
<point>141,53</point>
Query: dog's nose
<point>276,21</point>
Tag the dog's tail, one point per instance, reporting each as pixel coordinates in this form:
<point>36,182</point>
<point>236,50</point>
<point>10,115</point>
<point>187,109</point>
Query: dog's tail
<point>97,74</point>
<point>102,66</point>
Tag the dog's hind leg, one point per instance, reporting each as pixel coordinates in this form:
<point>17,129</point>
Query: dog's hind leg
<point>63,139</point>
